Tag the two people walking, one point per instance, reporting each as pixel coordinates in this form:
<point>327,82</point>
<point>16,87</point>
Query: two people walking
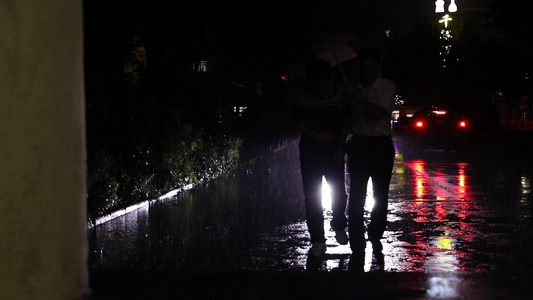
<point>350,119</point>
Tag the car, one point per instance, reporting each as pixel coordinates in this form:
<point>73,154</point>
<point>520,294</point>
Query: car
<point>400,124</point>
<point>435,130</point>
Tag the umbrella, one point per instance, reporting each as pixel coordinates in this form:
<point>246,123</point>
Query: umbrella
<point>337,54</point>
<point>335,47</point>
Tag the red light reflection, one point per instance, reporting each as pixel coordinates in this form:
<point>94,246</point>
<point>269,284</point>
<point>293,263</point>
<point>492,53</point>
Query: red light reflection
<point>439,210</point>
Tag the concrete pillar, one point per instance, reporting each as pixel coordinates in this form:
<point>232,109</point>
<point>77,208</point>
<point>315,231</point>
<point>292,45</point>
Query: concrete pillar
<point>43,242</point>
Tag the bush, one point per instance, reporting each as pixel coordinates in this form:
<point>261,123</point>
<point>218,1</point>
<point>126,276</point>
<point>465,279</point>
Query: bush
<point>156,160</point>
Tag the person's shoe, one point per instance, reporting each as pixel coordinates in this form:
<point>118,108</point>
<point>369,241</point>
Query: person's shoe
<point>378,262</point>
<point>317,249</point>
<point>341,237</point>
<point>356,263</point>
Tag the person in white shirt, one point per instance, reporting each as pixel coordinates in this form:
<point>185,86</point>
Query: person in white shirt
<point>370,150</point>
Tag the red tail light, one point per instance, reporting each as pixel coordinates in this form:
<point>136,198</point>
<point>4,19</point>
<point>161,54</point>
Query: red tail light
<point>462,124</point>
<point>419,124</point>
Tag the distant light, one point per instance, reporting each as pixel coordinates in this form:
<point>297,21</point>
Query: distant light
<point>440,112</point>
<point>284,78</point>
<point>462,124</point>
<point>239,110</point>
<point>419,124</point>
<point>439,6</point>
<point>445,19</point>
<point>452,7</point>
<point>398,100</point>
<point>200,66</point>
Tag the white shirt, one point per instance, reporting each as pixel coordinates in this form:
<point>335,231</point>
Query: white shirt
<point>382,93</point>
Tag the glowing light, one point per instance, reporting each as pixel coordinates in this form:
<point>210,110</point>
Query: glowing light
<point>462,180</point>
<point>418,166</point>
<point>462,124</point>
<point>398,100</point>
<point>369,201</point>
<point>525,183</point>
<point>419,124</point>
<point>419,187</point>
<point>452,7</point>
<point>444,242</point>
<point>326,195</point>
<point>445,19</point>
<point>443,287</point>
<point>439,6</point>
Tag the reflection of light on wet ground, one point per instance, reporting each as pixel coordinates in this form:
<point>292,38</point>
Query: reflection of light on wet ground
<point>443,219</point>
<point>326,196</point>
<point>337,256</point>
<point>430,213</point>
<point>443,259</point>
<point>443,287</point>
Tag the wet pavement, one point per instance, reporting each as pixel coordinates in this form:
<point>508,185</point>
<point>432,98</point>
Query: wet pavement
<point>459,228</point>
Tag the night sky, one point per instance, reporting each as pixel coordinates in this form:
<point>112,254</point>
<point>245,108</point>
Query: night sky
<point>280,28</point>
<point>272,34</point>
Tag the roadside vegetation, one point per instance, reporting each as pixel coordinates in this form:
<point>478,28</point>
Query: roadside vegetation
<point>143,153</point>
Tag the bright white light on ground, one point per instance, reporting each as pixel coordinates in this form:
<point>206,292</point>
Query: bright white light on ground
<point>443,287</point>
<point>369,202</point>
<point>326,195</point>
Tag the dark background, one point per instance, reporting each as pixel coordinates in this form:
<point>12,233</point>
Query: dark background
<point>247,41</point>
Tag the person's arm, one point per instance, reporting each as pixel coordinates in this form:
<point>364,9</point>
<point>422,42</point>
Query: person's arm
<point>323,137</point>
<point>374,109</point>
<point>341,144</point>
<point>298,117</point>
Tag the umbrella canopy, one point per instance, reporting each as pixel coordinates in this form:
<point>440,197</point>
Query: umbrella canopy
<point>335,47</point>
<point>337,54</point>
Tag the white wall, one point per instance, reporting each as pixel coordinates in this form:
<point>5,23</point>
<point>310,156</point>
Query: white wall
<point>43,246</point>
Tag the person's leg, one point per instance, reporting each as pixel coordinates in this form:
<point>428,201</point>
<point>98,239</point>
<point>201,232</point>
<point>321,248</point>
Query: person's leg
<point>358,169</point>
<point>335,177</point>
<point>381,177</point>
<point>312,186</point>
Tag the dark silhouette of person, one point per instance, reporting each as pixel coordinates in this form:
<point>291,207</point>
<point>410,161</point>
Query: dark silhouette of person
<point>370,151</point>
<point>318,116</point>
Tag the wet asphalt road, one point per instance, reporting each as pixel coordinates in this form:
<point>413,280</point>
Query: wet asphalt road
<point>459,228</point>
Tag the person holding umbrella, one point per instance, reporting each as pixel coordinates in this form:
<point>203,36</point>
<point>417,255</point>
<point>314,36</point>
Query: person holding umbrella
<point>370,151</point>
<point>318,116</point>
